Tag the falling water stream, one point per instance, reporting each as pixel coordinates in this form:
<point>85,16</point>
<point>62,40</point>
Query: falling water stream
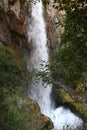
<point>60,116</point>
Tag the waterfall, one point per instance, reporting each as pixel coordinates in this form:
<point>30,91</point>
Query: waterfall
<point>61,117</point>
<point>37,34</point>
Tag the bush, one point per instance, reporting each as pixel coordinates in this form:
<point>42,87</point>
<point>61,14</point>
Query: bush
<point>13,71</point>
<point>13,77</point>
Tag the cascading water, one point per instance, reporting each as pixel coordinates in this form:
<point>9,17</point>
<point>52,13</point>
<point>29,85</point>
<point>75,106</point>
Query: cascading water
<point>37,35</point>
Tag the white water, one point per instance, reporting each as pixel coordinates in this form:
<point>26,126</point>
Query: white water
<point>64,119</point>
<point>37,35</point>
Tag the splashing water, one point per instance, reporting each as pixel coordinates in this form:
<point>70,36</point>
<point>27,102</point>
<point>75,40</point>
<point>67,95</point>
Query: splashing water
<point>37,35</point>
<point>64,119</point>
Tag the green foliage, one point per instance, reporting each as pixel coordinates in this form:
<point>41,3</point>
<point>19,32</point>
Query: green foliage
<point>13,72</point>
<point>69,64</point>
<point>45,73</point>
<point>19,113</point>
<point>13,75</point>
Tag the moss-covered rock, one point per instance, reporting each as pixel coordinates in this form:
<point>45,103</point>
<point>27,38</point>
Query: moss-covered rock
<point>61,96</point>
<point>85,126</point>
<point>74,102</point>
<point>81,108</point>
<point>22,113</point>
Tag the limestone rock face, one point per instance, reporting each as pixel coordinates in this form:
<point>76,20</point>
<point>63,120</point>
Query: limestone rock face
<point>13,5</point>
<point>51,33</point>
<point>12,23</point>
<point>54,17</point>
<point>51,30</point>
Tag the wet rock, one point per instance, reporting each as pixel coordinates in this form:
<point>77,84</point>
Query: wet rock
<point>45,123</point>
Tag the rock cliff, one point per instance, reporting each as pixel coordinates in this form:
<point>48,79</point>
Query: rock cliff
<point>12,23</point>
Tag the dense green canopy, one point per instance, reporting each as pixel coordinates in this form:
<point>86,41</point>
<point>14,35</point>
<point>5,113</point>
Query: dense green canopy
<point>70,62</point>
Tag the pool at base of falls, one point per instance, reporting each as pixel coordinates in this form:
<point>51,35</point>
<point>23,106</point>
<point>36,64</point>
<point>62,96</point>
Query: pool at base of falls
<point>64,119</point>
